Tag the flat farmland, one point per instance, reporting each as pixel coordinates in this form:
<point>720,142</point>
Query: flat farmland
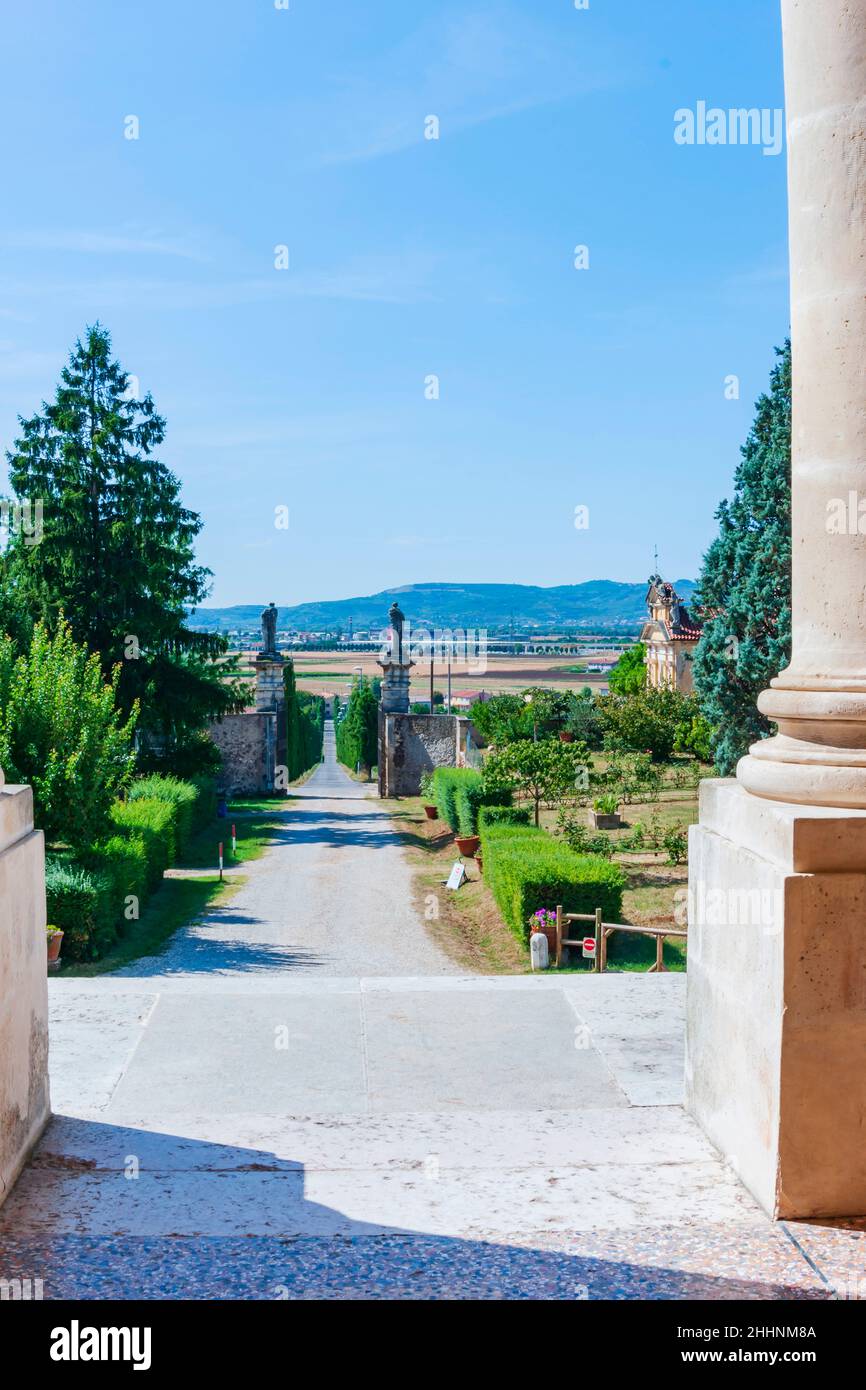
<point>331,673</point>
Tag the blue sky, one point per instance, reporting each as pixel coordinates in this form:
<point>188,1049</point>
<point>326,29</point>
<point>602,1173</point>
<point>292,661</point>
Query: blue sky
<point>408,257</point>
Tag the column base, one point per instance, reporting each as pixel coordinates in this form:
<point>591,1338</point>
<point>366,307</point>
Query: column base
<point>789,769</point>
<point>776,1014</point>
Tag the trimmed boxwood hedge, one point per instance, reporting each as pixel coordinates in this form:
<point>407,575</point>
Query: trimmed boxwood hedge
<point>180,796</point>
<point>152,822</point>
<point>502,815</point>
<point>123,862</point>
<point>88,896</point>
<point>526,869</point>
<point>459,794</point>
<point>445,783</point>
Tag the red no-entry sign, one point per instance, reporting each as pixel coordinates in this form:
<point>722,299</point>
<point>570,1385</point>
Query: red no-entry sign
<point>588,946</point>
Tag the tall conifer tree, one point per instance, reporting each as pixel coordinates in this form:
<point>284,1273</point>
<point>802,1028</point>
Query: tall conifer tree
<point>117,552</point>
<point>744,592</point>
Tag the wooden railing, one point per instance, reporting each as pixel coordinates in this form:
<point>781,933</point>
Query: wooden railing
<point>603,930</point>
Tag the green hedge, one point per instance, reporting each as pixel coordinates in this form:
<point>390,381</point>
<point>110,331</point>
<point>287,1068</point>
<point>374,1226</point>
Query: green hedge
<point>79,902</point>
<point>526,869</point>
<point>502,815</point>
<point>459,794</point>
<point>180,796</point>
<point>122,861</point>
<point>89,897</point>
<point>445,783</point>
<point>153,823</point>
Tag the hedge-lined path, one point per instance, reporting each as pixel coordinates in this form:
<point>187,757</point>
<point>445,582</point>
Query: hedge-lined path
<point>332,895</point>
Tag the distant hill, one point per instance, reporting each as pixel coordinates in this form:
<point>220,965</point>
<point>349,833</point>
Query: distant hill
<point>598,602</point>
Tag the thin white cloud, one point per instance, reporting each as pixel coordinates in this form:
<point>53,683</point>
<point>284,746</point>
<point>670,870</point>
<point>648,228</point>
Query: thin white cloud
<point>465,67</point>
<point>101,243</point>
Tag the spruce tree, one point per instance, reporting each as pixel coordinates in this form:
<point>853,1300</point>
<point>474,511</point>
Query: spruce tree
<point>744,591</point>
<point>116,557</point>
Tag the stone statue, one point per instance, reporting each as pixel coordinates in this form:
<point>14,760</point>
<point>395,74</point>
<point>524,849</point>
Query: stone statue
<point>397,621</point>
<point>269,630</point>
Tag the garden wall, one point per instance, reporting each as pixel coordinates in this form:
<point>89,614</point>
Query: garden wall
<point>24,1102</point>
<point>412,744</point>
<point>248,744</point>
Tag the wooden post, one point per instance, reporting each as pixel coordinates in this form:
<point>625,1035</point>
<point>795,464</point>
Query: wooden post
<point>660,953</point>
<point>558,935</point>
<point>599,933</point>
<point>603,951</point>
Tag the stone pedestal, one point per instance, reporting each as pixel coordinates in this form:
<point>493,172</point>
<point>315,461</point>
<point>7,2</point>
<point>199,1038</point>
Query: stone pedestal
<point>24,1104</point>
<point>271,699</point>
<point>396,680</point>
<point>776,1031</point>
<point>270,690</point>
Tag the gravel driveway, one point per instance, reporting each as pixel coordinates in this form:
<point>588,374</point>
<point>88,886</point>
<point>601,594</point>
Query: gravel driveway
<point>331,896</point>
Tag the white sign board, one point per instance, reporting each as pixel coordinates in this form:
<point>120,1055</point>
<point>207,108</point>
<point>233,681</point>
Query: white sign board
<point>589,948</point>
<point>456,876</point>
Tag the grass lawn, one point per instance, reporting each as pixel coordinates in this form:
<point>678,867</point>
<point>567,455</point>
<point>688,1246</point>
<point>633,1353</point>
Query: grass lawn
<point>255,821</point>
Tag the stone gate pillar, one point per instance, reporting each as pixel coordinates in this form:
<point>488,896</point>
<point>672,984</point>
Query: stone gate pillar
<point>24,1106</point>
<point>776,1037</point>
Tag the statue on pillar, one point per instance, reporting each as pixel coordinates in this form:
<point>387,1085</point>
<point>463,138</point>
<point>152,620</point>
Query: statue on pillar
<point>397,620</point>
<point>269,630</point>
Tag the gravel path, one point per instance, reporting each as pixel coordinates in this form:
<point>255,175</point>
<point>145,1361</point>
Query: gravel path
<point>331,896</point>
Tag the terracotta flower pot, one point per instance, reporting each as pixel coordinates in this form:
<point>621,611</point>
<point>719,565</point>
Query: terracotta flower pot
<point>431,813</point>
<point>55,941</point>
<point>467,845</point>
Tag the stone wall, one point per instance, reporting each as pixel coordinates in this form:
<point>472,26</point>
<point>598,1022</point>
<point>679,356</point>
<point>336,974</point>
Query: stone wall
<point>24,1102</point>
<point>247,743</point>
<point>412,744</point>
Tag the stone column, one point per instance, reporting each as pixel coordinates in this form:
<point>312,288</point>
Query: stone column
<point>776,1030</point>
<point>819,701</point>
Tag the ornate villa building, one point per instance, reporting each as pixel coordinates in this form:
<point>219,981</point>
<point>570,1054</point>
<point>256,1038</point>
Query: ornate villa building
<point>670,636</point>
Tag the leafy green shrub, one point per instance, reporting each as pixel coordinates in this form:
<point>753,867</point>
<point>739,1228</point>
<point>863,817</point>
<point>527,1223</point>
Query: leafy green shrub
<point>152,822</point>
<point>525,867</point>
<point>180,796</point>
<point>676,843</point>
<point>79,903</point>
<point>62,732</point>
<point>577,837</point>
<point>502,815</point>
<point>606,805</point>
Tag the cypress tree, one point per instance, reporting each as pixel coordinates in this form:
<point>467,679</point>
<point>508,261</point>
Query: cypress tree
<point>744,591</point>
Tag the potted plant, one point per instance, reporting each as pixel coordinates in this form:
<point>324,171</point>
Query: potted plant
<point>566,736</point>
<point>605,812</point>
<point>426,791</point>
<point>544,920</point>
<point>54,937</point>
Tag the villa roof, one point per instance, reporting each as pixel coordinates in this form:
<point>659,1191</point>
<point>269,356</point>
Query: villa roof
<point>679,626</point>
